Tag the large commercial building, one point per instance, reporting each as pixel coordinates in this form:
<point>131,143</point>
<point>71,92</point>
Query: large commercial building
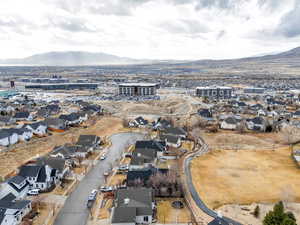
<point>217,92</point>
<point>254,90</point>
<point>138,89</point>
<point>67,86</point>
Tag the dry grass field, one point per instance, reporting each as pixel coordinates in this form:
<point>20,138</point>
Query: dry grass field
<point>23,152</point>
<point>229,140</point>
<point>243,177</point>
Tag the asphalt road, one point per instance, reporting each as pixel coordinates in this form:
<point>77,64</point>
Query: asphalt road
<point>196,196</point>
<point>74,211</point>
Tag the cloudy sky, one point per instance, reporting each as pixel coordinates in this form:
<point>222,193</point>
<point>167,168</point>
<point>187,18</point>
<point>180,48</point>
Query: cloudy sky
<point>152,29</point>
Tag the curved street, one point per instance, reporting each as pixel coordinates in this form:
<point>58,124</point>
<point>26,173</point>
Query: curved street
<point>193,190</point>
<point>74,211</point>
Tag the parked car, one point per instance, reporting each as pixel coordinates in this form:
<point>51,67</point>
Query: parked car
<point>34,192</point>
<point>106,189</point>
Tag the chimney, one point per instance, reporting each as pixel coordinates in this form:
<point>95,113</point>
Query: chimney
<point>126,201</point>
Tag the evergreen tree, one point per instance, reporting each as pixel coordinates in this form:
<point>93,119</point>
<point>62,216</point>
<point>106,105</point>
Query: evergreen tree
<point>277,216</point>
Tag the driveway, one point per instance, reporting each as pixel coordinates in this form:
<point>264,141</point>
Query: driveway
<point>74,211</point>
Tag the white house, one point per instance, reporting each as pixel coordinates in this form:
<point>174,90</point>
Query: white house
<point>38,128</point>
<point>230,123</point>
<point>40,177</point>
<point>8,137</point>
<point>18,186</point>
<point>12,212</point>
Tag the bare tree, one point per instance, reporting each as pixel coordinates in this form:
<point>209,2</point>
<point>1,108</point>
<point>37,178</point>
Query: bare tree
<point>291,135</point>
<point>241,128</point>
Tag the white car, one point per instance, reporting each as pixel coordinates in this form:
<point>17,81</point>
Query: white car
<point>34,192</point>
<point>103,157</point>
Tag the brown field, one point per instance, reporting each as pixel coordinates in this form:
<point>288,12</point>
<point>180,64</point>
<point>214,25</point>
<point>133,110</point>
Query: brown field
<point>23,152</point>
<point>244,177</point>
<point>229,140</point>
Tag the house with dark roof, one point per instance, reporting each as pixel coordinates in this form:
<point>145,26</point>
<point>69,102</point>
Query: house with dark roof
<point>142,158</point>
<point>171,140</point>
<point>138,122</point>
<point>55,124</point>
<point>7,120</point>
<point>142,176</point>
<point>41,177</point>
<point>60,165</point>
<point>133,206</point>
<point>89,141</point>
<point>24,134</point>
<point>161,124</point>
<point>16,187</point>
<point>256,124</point>
<point>175,131</point>
<point>205,114</point>
<point>8,137</point>
<point>23,116</point>
<point>71,119</point>
<point>92,109</point>
<point>70,152</point>
<point>159,146</point>
<point>230,123</point>
<point>38,128</point>
<point>12,212</point>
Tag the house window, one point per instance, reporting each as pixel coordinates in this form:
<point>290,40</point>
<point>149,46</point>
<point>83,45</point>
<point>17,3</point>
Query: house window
<point>146,219</point>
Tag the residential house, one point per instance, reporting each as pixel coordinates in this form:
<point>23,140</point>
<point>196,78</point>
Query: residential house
<point>55,124</point>
<point>230,123</point>
<point>8,137</point>
<point>23,116</point>
<point>24,134</point>
<point>171,140</point>
<point>161,124</point>
<point>12,212</point>
<point>16,186</point>
<point>60,165</point>
<point>159,146</point>
<point>7,120</point>
<point>38,128</point>
<point>296,114</point>
<point>205,114</point>
<point>41,177</point>
<point>89,141</point>
<point>257,124</point>
<point>138,122</point>
<point>71,119</point>
<point>175,131</point>
<point>133,206</point>
<point>142,176</point>
<point>142,158</point>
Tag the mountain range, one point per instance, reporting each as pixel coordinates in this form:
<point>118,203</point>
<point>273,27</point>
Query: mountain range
<point>77,58</point>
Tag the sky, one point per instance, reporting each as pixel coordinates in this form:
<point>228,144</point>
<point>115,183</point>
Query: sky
<point>150,29</point>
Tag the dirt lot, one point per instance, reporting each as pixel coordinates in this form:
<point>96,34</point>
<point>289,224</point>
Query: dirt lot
<point>229,140</point>
<point>244,177</point>
<point>167,214</point>
<point>23,152</point>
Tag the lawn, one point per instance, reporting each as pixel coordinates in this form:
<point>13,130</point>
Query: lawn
<point>167,214</point>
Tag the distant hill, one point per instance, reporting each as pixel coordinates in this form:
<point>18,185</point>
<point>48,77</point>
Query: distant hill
<point>291,56</point>
<point>76,58</point>
<point>71,58</point>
